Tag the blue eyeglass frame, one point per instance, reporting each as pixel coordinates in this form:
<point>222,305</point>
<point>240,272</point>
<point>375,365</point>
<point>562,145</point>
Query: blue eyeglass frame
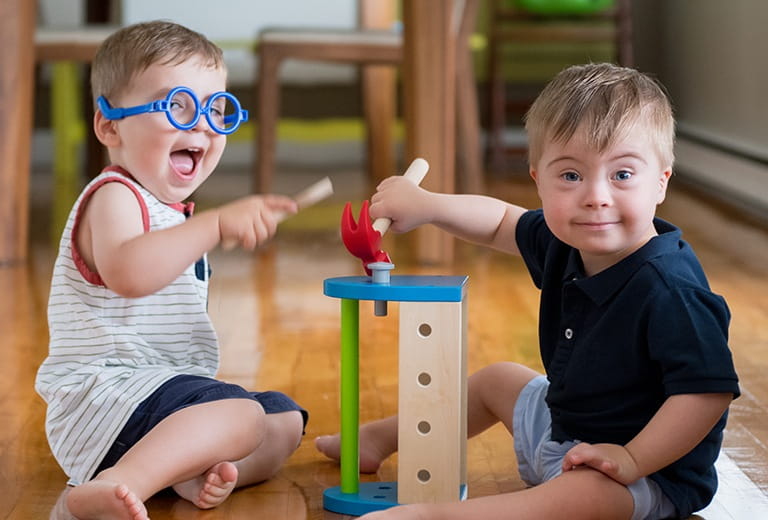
<point>164,105</point>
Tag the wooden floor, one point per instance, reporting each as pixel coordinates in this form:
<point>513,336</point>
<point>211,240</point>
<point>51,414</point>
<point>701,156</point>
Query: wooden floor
<point>279,332</point>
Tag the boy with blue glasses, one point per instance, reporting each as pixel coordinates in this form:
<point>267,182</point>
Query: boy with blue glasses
<point>133,406</point>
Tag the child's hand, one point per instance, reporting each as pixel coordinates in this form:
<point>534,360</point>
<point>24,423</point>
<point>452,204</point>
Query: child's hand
<point>251,221</point>
<point>612,460</point>
<point>405,512</point>
<point>402,201</point>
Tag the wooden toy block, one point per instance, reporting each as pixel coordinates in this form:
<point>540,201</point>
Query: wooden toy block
<point>432,402</point>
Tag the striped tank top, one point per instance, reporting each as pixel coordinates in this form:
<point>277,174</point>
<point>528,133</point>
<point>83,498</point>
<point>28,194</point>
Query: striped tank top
<point>108,353</point>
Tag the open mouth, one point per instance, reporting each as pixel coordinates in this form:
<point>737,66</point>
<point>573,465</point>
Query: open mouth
<point>184,162</point>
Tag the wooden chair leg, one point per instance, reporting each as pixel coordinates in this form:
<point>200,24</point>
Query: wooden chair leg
<point>378,86</point>
<point>17,25</point>
<point>496,101</point>
<point>268,103</point>
<point>470,166</point>
<point>378,83</point>
<point>624,51</point>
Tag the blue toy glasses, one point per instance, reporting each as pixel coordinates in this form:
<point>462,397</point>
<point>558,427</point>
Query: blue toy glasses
<point>182,108</point>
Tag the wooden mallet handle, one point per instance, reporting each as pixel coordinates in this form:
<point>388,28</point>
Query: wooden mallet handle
<point>415,173</point>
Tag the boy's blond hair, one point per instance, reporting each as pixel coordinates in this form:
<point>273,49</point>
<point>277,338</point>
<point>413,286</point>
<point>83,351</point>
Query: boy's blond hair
<point>134,48</point>
<point>603,101</point>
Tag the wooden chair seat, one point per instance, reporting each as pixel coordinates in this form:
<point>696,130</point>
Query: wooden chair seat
<point>347,46</point>
<point>75,44</point>
<point>372,37</point>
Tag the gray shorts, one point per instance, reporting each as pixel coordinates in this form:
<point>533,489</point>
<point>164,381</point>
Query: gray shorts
<point>540,459</point>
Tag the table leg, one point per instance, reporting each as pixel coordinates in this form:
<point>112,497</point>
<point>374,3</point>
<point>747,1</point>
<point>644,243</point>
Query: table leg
<point>17,29</point>
<point>429,104</point>
<point>350,395</point>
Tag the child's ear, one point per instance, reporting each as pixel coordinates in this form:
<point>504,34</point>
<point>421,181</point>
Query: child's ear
<point>663,183</point>
<point>105,130</point>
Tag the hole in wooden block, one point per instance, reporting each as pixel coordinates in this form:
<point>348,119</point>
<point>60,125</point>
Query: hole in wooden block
<point>424,379</point>
<point>425,330</point>
<point>424,427</point>
<point>423,475</point>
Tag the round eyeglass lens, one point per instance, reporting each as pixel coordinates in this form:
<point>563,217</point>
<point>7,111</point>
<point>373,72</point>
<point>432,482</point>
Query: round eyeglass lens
<point>223,113</point>
<point>183,108</point>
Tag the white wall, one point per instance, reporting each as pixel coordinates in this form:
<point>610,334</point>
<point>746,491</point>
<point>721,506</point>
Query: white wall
<point>716,69</point>
<point>66,13</point>
<point>712,57</point>
<point>242,19</point>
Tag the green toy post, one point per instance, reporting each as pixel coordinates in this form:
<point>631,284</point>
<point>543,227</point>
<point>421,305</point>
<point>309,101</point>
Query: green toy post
<point>350,395</point>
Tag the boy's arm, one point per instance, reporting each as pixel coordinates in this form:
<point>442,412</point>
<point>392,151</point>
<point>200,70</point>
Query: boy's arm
<point>474,218</point>
<point>134,263</point>
<point>679,425</point>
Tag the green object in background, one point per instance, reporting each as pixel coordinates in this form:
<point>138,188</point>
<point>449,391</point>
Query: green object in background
<point>69,136</point>
<point>564,7</point>
<point>350,396</point>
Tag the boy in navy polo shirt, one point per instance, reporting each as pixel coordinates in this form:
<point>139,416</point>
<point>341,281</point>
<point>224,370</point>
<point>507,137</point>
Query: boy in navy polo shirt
<point>628,420</point>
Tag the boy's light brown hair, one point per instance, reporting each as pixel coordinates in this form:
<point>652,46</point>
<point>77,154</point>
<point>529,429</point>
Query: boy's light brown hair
<point>134,48</point>
<point>603,101</point>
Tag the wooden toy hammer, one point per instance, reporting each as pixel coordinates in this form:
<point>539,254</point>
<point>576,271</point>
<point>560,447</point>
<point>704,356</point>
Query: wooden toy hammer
<point>363,239</point>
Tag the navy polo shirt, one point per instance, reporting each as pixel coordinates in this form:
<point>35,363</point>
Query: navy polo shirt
<point>615,345</point>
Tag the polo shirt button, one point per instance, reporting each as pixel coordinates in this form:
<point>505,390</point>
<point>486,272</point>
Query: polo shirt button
<point>568,333</point>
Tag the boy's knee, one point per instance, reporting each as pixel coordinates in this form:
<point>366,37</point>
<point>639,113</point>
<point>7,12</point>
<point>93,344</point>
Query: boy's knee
<point>290,427</point>
<point>503,380</point>
<point>249,426</point>
<point>506,371</point>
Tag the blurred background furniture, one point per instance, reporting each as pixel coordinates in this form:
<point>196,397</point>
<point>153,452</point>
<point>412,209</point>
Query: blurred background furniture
<point>17,26</point>
<point>377,46</point>
<point>63,54</point>
<point>531,40</point>
<point>71,111</point>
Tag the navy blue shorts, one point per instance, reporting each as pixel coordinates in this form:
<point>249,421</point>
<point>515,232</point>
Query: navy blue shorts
<point>183,391</point>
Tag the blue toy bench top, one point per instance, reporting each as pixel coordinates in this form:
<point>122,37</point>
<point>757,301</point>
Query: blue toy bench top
<point>401,288</point>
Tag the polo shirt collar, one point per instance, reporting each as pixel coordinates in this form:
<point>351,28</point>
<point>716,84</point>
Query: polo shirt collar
<point>602,286</point>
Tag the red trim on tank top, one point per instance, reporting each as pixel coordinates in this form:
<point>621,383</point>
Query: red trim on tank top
<point>121,177</point>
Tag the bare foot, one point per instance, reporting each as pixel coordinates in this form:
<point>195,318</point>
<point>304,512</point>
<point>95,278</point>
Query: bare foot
<point>371,456</point>
<point>105,500</point>
<point>212,488</point>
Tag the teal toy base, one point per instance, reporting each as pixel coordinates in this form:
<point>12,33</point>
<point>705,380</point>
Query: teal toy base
<point>372,496</point>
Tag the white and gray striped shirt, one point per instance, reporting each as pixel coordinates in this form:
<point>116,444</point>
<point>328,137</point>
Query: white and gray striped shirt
<point>108,353</point>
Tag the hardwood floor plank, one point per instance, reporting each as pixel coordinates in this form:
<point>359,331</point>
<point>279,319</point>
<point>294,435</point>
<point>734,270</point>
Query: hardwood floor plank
<point>737,496</point>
